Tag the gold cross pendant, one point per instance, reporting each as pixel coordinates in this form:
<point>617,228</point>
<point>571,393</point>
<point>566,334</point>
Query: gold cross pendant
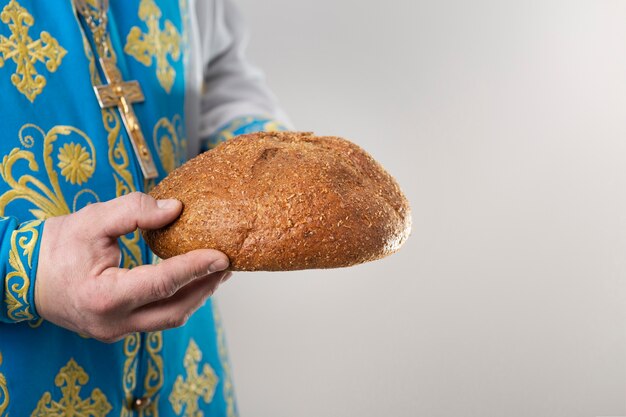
<point>123,94</point>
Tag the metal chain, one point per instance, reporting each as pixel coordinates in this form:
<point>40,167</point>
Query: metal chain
<point>97,23</point>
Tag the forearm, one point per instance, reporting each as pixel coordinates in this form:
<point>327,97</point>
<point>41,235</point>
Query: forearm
<point>235,97</point>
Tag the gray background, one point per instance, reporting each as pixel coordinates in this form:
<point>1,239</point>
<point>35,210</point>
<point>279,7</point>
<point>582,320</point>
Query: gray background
<point>505,124</point>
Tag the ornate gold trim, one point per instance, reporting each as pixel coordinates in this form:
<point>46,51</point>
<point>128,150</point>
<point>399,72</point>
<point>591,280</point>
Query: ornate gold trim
<point>132,344</point>
<point>17,282</point>
<point>153,381</point>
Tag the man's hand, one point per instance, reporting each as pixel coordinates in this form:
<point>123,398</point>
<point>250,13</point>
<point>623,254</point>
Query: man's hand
<point>80,286</point>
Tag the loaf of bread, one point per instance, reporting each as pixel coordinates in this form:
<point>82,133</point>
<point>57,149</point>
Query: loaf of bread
<point>284,201</point>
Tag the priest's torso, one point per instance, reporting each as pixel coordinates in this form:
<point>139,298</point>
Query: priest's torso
<point>61,151</point>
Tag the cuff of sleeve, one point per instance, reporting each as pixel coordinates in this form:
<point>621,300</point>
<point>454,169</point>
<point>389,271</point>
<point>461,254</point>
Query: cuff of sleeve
<point>20,254</point>
<point>241,126</point>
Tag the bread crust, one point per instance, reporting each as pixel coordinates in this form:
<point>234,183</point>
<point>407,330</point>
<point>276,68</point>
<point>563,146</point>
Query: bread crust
<point>284,201</point>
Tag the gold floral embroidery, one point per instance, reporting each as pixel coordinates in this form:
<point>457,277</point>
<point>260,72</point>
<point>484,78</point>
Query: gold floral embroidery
<point>228,390</point>
<point>70,379</point>
<point>48,200</point>
<point>17,282</point>
<point>155,43</point>
<point>75,163</point>
<point>4,392</point>
<point>25,51</point>
<point>170,143</point>
<point>186,393</point>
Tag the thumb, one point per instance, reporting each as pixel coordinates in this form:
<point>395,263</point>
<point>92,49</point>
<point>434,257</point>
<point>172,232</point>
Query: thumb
<point>125,214</point>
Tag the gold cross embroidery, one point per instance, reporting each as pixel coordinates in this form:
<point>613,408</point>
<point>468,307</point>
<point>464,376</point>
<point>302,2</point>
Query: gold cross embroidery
<point>70,380</point>
<point>25,51</point>
<point>156,43</point>
<point>187,393</point>
<point>122,94</point>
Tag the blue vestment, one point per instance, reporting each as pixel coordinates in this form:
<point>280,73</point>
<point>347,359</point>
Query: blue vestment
<point>59,151</point>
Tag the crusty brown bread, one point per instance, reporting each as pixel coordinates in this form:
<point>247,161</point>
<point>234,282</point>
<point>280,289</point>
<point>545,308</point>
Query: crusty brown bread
<point>284,201</point>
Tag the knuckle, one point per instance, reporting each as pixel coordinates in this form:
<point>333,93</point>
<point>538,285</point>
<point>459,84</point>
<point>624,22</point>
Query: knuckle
<point>104,334</point>
<point>111,339</point>
<point>141,201</point>
<point>210,291</point>
<point>107,339</point>
<point>163,288</point>
<point>84,217</point>
<point>135,199</point>
<point>87,211</point>
<point>135,196</point>
<point>197,272</point>
<point>172,323</point>
<point>90,209</point>
<point>102,304</point>
<point>179,321</point>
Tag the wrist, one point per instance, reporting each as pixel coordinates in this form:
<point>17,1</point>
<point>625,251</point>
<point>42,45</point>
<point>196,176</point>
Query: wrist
<point>48,246</point>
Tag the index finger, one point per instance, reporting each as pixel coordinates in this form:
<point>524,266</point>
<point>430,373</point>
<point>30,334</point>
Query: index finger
<point>149,283</point>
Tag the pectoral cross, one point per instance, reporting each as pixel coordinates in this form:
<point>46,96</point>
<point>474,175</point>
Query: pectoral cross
<point>123,94</point>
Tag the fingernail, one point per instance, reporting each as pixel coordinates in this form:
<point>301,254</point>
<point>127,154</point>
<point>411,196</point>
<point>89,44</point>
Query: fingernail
<point>167,204</point>
<point>219,265</point>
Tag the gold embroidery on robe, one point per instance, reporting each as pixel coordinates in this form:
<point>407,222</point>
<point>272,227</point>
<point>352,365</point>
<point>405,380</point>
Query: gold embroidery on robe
<point>70,379</point>
<point>156,43</point>
<point>35,323</point>
<point>4,392</point>
<point>132,344</point>
<point>17,281</point>
<point>228,132</point>
<point>154,378</point>
<point>46,196</point>
<point>48,199</point>
<point>118,159</point>
<point>228,389</point>
<point>170,143</point>
<point>75,163</point>
<point>129,244</point>
<point>25,52</point>
<point>187,392</point>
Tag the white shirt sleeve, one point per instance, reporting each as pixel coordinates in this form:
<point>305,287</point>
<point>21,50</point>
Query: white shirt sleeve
<point>221,84</point>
